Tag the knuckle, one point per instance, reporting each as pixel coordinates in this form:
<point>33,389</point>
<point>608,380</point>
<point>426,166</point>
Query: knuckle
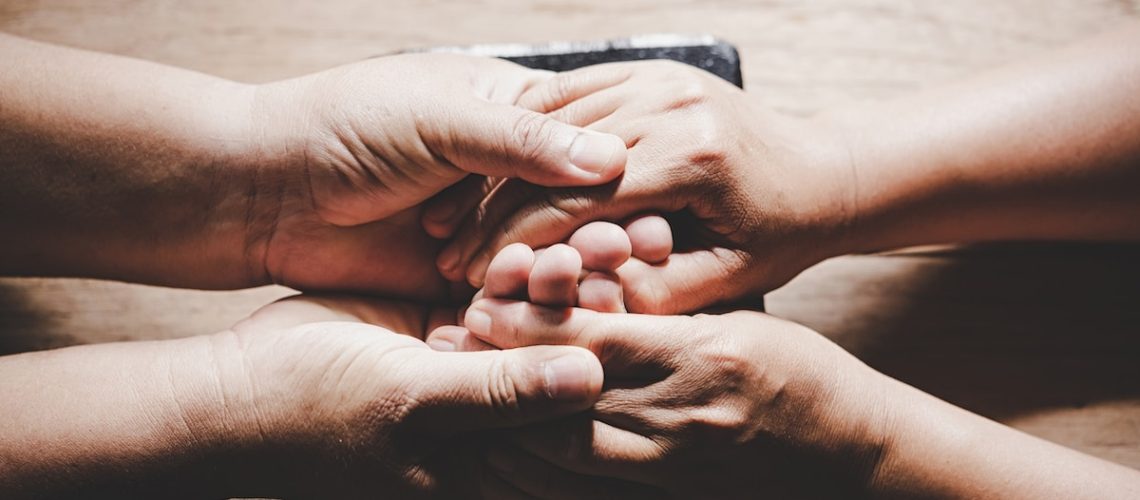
<point>561,91</point>
<point>647,297</point>
<point>688,93</point>
<point>720,356</point>
<point>708,146</point>
<point>502,389</point>
<point>712,423</point>
<point>513,321</point>
<point>531,134</point>
<point>569,204</point>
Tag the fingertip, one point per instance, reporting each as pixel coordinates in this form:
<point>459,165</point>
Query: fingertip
<point>509,271</point>
<point>604,246</point>
<point>447,262</point>
<point>602,292</point>
<point>442,339</point>
<point>573,374</point>
<point>476,274</point>
<point>455,339</point>
<point>651,238</point>
<point>439,230</point>
<point>554,277</point>
<point>598,156</point>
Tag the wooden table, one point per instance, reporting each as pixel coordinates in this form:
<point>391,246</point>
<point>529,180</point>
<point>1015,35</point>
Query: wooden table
<point>1043,337</point>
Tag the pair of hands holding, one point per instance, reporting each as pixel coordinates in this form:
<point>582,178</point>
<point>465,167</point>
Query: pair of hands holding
<point>403,176</point>
<point>744,404</point>
<point>415,394</point>
<point>693,153</point>
<point>342,171</point>
<point>354,180</point>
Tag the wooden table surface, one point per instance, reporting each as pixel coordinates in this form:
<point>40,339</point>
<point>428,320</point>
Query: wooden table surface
<point>1043,337</point>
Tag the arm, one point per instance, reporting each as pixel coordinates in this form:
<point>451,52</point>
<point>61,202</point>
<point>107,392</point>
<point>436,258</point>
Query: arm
<point>934,449</point>
<point>1045,150</point>
<point>117,168</point>
<point>308,398</point>
<point>126,418</point>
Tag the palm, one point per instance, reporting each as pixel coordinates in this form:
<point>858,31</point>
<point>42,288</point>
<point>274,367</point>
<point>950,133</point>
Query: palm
<point>298,342</point>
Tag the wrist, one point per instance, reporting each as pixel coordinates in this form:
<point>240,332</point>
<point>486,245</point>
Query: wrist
<point>866,422</point>
<point>269,173</point>
<point>922,439</point>
<point>248,433</point>
<point>826,188</point>
<point>219,420</point>
<point>204,207</point>
<point>901,194</point>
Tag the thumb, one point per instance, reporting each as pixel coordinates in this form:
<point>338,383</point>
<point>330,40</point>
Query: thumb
<point>496,389</point>
<point>507,141</point>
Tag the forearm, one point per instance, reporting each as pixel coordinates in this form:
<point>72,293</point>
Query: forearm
<point>118,168</point>
<point>1047,150</point>
<point>938,450</point>
<point>138,419</point>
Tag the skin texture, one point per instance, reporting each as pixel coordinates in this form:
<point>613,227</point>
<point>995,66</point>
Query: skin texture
<point>312,396</point>
<point>129,170</point>
<point>582,272</point>
<point>308,397</point>
<point>124,169</point>
<point>1044,150</point>
<point>117,168</point>
<point>791,415</point>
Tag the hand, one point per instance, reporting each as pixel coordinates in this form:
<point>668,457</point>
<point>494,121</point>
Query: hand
<point>790,414</point>
<point>124,169</point>
<point>333,402</point>
<point>581,272</point>
<point>754,197</point>
<point>352,152</point>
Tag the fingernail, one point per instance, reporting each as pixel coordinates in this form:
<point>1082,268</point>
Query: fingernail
<point>478,322</point>
<point>567,377</point>
<point>500,461</point>
<point>448,260</point>
<point>594,152</point>
<point>441,345</point>
<point>477,270</point>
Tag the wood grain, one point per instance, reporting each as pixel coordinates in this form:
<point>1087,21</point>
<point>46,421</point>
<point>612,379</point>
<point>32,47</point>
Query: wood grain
<point>1043,337</point>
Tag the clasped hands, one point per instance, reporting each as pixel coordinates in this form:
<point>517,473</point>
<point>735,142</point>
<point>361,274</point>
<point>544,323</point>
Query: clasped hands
<point>408,176</point>
<point>530,264</point>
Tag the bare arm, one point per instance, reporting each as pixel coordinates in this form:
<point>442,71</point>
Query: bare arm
<point>120,168</point>
<point>125,419</point>
<point>934,449</point>
<point>1046,150</point>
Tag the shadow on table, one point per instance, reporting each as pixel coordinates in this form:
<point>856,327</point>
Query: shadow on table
<point>37,314</point>
<point>999,329</point>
